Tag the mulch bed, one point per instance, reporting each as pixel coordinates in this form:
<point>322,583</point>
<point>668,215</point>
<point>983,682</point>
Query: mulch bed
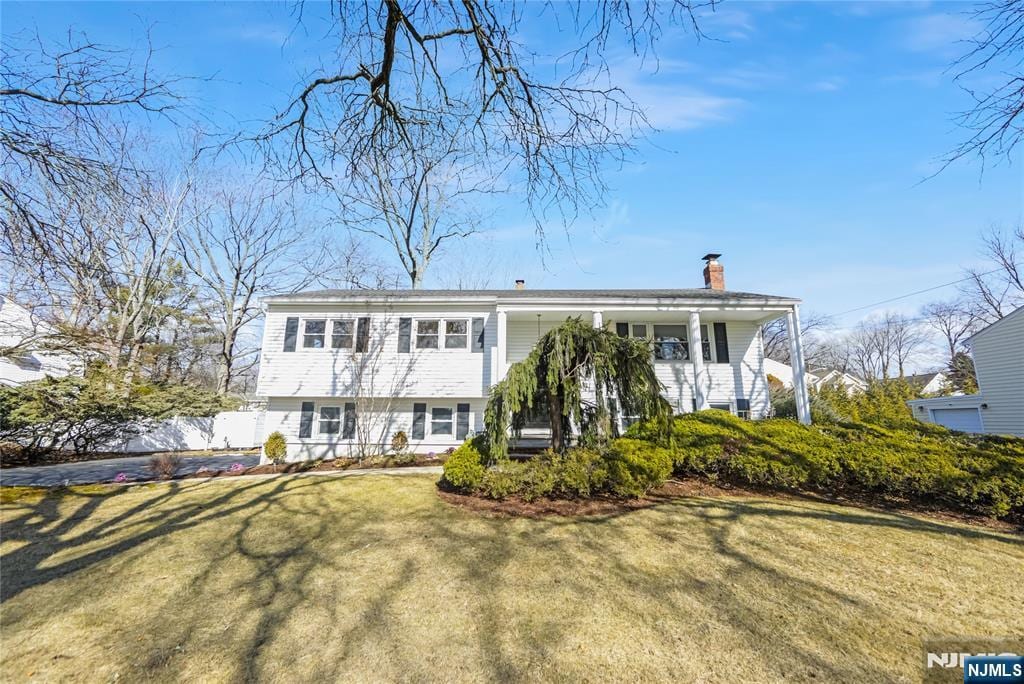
<point>694,487</point>
<point>317,466</point>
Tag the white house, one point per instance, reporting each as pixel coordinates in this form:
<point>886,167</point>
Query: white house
<point>816,378</point>
<point>21,335</point>
<point>998,407</point>
<point>928,383</point>
<point>343,370</point>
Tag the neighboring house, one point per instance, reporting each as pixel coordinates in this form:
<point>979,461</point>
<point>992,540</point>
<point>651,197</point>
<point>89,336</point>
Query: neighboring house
<point>998,407</point>
<point>21,336</point>
<point>833,376</point>
<point>928,383</point>
<point>345,370</point>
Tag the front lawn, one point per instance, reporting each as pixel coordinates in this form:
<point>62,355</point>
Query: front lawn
<point>375,578</point>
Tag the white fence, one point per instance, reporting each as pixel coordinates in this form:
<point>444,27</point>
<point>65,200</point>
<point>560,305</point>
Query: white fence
<point>228,430</point>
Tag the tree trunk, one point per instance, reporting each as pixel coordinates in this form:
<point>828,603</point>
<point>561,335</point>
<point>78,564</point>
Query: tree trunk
<point>555,417</point>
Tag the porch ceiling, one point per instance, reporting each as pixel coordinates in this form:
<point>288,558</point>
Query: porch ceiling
<point>646,315</point>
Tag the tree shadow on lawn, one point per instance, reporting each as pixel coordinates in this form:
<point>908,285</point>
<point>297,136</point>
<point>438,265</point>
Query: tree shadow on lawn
<point>288,549</point>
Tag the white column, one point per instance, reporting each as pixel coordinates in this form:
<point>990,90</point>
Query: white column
<point>796,354</point>
<point>501,366</point>
<point>700,389</point>
<point>598,319</point>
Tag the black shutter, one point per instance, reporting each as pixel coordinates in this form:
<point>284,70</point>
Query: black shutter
<point>721,344</point>
<point>363,334</point>
<point>404,335</point>
<point>419,421</point>
<point>478,334</point>
<point>349,429</point>
<point>291,334</point>
<point>306,420</point>
<point>622,329</point>
<point>462,421</point>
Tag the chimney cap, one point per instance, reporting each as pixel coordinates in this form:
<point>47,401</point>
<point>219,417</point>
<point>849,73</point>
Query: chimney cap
<point>710,256</point>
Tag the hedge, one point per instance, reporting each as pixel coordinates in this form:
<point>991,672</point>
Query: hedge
<point>980,474</point>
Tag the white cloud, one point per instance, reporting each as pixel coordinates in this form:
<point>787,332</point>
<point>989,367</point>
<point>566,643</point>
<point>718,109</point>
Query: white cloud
<point>828,85</point>
<point>726,23</point>
<point>939,33</point>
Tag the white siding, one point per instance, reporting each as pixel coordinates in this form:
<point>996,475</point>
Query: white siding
<point>382,370</point>
<point>999,362</point>
<point>375,424</point>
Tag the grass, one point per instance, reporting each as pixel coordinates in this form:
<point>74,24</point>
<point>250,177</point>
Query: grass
<point>374,578</point>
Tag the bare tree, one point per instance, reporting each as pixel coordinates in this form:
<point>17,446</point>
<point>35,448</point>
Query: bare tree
<point>954,320</point>
<point>998,291</point>
<point>994,122</point>
<point>457,73</point>
<point>877,347</point>
<point>776,339</point>
<point>416,203</point>
<point>61,110</point>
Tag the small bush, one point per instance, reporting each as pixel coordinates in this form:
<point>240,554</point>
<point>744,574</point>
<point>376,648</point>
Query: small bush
<point>275,448</point>
<point>635,467</point>
<point>464,469</point>
<point>165,466</point>
<point>399,442</point>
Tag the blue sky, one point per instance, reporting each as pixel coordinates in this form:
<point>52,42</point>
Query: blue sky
<point>797,143</point>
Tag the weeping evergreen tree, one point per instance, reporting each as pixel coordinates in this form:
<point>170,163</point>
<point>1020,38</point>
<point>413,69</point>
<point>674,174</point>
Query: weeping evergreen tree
<point>568,361</point>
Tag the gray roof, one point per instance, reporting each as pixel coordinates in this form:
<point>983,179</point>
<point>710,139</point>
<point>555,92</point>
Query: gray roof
<point>688,294</point>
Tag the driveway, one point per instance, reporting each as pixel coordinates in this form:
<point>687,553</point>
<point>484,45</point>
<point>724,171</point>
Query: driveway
<point>87,472</point>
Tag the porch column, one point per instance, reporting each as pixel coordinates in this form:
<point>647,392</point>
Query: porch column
<point>700,390</point>
<point>796,354</point>
<point>501,352</point>
<point>598,319</point>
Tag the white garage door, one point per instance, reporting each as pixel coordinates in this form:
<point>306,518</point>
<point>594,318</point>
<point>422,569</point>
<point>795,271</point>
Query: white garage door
<point>962,419</point>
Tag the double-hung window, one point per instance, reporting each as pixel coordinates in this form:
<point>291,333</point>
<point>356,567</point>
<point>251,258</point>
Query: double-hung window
<point>456,334</point>
<point>440,421</point>
<point>330,420</point>
<point>427,334</point>
<point>313,334</point>
<point>670,343</point>
<point>705,342</point>
<point>342,334</point>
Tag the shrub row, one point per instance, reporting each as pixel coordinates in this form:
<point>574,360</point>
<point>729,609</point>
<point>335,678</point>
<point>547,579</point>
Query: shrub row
<point>627,468</point>
<point>926,463</point>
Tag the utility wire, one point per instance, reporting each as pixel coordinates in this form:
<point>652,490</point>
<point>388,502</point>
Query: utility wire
<point>912,294</point>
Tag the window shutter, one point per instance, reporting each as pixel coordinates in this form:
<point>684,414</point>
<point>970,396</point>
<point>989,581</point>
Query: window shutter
<point>349,429</point>
<point>721,343</point>
<point>462,421</point>
<point>419,420</point>
<point>363,334</point>
<point>478,334</point>
<point>622,329</point>
<point>291,334</point>
<point>306,419</point>
<point>404,335</point>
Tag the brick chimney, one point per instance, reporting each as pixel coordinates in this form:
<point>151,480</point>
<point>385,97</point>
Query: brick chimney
<point>520,284</point>
<point>714,272</point>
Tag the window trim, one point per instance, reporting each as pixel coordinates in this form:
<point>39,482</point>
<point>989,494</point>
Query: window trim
<point>307,335</point>
<point>320,420</point>
<point>464,335</point>
<point>352,335</point>
<point>451,421</point>
<point>708,340</point>
<point>436,335</point>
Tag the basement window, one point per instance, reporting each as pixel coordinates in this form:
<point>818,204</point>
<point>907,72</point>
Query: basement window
<point>440,421</point>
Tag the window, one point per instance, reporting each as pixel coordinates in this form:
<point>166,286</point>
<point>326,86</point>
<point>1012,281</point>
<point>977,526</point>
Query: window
<point>456,335</point>
<point>670,343</point>
<point>721,407</point>
<point>330,420</point>
<point>705,343</point>
<point>313,337</point>
<point>342,335</point>
<point>640,330</point>
<point>426,334</point>
<point>440,421</point>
